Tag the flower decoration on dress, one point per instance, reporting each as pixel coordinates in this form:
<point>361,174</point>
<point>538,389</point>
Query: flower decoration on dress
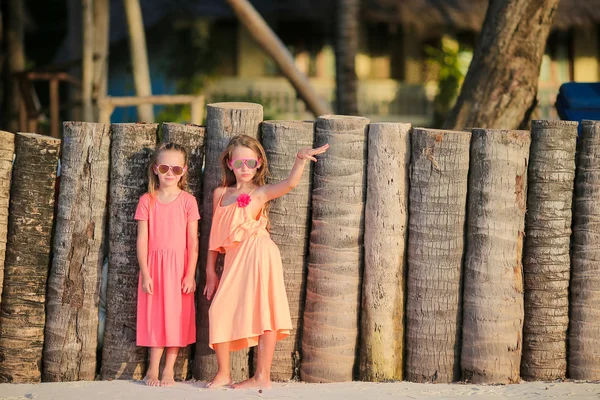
<point>243,200</point>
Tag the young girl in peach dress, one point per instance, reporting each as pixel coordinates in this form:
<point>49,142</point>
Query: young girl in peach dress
<point>167,250</point>
<point>250,306</point>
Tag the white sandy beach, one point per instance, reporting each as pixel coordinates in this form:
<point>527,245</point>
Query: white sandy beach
<point>105,390</point>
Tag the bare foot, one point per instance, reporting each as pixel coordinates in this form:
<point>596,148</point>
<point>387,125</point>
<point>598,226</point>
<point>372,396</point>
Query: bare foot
<point>219,381</point>
<point>151,380</point>
<point>167,381</point>
<point>253,383</point>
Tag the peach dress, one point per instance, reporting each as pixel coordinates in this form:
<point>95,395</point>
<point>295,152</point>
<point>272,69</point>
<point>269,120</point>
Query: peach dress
<point>166,318</point>
<point>251,297</point>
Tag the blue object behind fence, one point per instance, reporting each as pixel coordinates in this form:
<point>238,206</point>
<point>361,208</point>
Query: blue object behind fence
<point>578,101</point>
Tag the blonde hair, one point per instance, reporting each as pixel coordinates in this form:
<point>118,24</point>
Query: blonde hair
<point>262,172</point>
<point>153,182</point>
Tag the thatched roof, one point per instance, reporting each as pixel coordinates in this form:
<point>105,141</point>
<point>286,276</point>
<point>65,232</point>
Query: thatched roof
<point>431,15</point>
<point>424,16</point>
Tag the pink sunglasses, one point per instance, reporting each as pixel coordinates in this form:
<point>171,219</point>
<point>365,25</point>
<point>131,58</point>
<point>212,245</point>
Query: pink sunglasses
<point>248,162</point>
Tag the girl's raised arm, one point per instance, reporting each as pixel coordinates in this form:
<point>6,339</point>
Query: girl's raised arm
<point>283,187</point>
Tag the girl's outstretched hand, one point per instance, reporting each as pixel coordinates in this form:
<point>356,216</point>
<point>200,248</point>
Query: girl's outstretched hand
<point>212,282</point>
<point>308,153</point>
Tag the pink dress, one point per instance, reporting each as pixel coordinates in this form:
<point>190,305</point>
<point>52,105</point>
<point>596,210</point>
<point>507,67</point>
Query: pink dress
<point>167,318</point>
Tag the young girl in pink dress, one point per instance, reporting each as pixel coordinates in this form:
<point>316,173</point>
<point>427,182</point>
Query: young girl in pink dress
<point>167,251</point>
<point>250,304</point>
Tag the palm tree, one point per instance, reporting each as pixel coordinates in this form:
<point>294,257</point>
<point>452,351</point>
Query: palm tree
<point>383,286</point>
<point>290,224</point>
<point>331,315</point>
<point>437,215</point>
<point>22,311</point>
<point>74,281</point>
<point>346,47</point>
<point>132,145</point>
<point>493,276</point>
<point>546,262</point>
<point>584,325</point>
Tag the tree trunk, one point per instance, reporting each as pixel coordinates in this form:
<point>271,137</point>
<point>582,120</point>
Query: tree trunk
<point>332,309</point>
<point>500,88</point>
<point>74,282</point>
<point>346,47</point>
<point>15,58</point>
<point>437,216</point>
<point>7,150</point>
<point>22,311</point>
<point>386,210</point>
<point>87,62</point>
<point>132,145</point>
<point>493,277</point>
<point>75,42</point>
<point>273,46</point>
<point>139,58</point>
<point>290,220</point>
<point>192,138</point>
<point>584,325</point>
<point>101,49</point>
<point>546,262</point>
<point>223,121</point>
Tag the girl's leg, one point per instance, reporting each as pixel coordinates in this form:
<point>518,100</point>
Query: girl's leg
<point>223,376</point>
<point>168,374</point>
<point>151,377</point>
<point>262,376</point>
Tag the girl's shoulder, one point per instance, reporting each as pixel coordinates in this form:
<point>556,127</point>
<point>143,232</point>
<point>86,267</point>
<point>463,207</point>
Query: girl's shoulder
<point>145,198</point>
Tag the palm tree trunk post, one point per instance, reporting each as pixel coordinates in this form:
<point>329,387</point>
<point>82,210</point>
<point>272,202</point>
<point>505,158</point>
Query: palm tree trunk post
<point>546,261</point>
<point>437,216</point>
<point>7,150</point>
<point>132,145</point>
<point>584,324</point>
<point>290,220</point>
<point>332,309</point>
<point>31,215</point>
<point>74,281</point>
<point>224,120</point>
<point>493,277</point>
<point>383,285</point>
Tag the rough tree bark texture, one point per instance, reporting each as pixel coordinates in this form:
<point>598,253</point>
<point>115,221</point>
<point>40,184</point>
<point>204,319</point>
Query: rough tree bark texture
<point>493,277</point>
<point>290,227</point>
<point>383,285</point>
<point>346,47</point>
<point>74,282</point>
<point>437,215</point>
<point>223,121</point>
<point>7,150</point>
<point>31,213</point>
<point>132,146</point>
<point>584,325</point>
<point>500,88</point>
<point>192,138</point>
<point>546,261</point>
<point>332,310</point>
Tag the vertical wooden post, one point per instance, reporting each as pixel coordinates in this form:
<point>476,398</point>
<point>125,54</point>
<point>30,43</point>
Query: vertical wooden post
<point>192,138</point>
<point>437,216</point>
<point>493,277</point>
<point>290,224</point>
<point>74,281</point>
<point>546,261</point>
<point>584,325</point>
<point>7,151</point>
<point>132,146</point>
<point>22,311</point>
<point>386,228</point>
<point>54,108</point>
<point>223,121</point>
<point>331,315</point>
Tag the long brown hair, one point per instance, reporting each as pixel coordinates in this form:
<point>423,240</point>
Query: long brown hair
<point>262,172</point>
<point>153,182</point>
